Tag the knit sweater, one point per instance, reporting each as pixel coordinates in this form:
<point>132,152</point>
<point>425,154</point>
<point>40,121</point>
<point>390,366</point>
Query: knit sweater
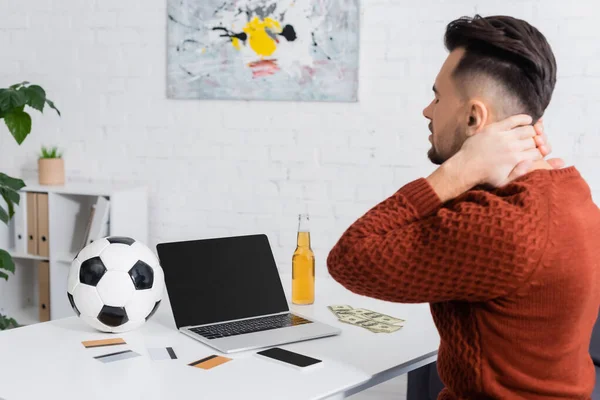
<point>512,276</point>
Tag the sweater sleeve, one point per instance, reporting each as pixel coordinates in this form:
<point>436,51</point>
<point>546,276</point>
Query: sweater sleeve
<point>411,248</point>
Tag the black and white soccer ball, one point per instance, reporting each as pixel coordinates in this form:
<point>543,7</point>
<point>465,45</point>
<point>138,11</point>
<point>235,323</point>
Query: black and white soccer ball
<point>115,284</point>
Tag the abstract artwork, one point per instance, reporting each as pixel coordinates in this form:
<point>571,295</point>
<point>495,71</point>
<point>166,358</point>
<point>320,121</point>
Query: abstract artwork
<point>303,50</point>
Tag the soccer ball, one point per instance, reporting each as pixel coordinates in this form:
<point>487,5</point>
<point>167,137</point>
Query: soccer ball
<point>115,284</point>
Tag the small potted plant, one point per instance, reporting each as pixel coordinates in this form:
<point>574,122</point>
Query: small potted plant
<point>51,167</point>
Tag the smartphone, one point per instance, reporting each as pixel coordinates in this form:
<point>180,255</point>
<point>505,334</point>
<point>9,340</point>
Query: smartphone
<point>289,358</point>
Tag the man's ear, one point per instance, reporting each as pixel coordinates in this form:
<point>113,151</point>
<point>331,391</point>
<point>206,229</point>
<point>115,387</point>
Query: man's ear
<point>477,117</point>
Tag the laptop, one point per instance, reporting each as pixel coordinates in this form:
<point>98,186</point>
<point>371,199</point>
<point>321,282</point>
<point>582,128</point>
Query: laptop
<point>227,294</point>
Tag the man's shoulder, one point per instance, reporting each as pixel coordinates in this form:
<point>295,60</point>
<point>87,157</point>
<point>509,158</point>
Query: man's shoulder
<point>513,195</point>
<point>530,193</point>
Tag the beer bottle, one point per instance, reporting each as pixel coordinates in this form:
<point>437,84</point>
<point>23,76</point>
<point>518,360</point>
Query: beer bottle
<point>303,265</point>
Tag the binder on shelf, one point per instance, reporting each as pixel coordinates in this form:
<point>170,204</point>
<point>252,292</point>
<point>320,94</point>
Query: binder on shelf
<point>42,225</point>
<point>86,233</point>
<point>20,225</point>
<point>44,290</point>
<point>32,235</point>
<point>99,225</point>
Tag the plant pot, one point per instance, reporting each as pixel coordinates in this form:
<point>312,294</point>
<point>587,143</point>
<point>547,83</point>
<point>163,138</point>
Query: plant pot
<point>51,171</point>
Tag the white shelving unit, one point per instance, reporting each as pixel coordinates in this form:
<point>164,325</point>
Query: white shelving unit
<point>68,209</point>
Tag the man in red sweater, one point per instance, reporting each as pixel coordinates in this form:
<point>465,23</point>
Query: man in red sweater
<point>502,245</point>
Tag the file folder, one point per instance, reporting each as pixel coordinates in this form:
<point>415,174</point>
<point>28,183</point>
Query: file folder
<point>32,235</point>
<point>20,225</point>
<point>42,225</point>
<point>44,290</point>
<point>100,220</point>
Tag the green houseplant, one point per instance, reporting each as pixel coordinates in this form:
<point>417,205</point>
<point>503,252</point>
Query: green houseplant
<point>12,110</point>
<point>51,167</point>
<point>50,152</point>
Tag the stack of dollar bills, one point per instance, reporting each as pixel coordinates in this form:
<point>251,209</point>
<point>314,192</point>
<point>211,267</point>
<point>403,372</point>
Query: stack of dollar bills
<point>371,320</point>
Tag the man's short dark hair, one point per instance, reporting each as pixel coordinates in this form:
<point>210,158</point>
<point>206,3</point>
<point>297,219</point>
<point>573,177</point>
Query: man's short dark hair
<point>511,52</point>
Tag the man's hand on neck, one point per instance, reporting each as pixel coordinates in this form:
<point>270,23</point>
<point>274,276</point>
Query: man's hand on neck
<point>502,152</point>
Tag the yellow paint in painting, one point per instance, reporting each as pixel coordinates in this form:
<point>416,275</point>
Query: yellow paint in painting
<point>258,38</point>
<point>236,43</point>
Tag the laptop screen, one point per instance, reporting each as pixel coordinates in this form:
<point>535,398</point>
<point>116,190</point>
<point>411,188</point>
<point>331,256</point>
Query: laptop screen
<point>222,279</point>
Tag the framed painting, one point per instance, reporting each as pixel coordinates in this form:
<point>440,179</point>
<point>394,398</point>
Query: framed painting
<point>297,50</point>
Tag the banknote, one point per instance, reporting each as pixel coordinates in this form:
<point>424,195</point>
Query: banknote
<point>368,319</point>
<point>360,311</point>
<point>373,326</point>
<point>340,309</point>
<point>375,316</point>
<point>353,319</point>
<point>379,327</point>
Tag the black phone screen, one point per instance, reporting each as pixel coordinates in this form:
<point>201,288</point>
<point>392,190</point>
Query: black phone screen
<point>289,357</point>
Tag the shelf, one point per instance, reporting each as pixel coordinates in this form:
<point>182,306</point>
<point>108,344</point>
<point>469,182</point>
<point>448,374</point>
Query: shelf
<point>16,254</point>
<point>69,208</point>
<point>65,257</point>
<point>79,188</point>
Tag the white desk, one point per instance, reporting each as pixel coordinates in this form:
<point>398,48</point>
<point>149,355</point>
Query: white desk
<point>48,360</point>
<point>381,356</point>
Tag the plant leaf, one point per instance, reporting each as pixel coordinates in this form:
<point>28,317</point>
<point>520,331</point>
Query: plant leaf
<point>9,198</point>
<point>16,85</point>
<point>10,99</point>
<point>51,104</point>
<point>6,261</point>
<point>5,277</point>
<point>19,124</point>
<point>36,97</point>
<point>3,215</point>
<point>6,323</point>
<point>10,195</point>
<point>11,183</point>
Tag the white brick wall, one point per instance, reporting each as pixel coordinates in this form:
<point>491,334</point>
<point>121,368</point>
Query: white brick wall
<point>227,168</point>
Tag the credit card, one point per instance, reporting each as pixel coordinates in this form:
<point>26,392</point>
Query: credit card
<point>103,342</point>
<point>121,355</point>
<point>162,353</point>
<point>210,362</point>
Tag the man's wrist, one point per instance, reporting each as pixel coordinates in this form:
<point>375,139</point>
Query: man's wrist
<point>452,178</point>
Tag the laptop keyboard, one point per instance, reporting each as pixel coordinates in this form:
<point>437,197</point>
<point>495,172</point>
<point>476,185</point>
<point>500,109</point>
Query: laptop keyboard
<point>249,326</point>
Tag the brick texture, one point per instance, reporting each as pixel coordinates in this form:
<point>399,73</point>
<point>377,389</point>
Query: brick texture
<point>225,168</point>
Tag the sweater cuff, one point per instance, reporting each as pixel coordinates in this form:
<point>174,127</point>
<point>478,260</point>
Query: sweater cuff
<point>421,196</point>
